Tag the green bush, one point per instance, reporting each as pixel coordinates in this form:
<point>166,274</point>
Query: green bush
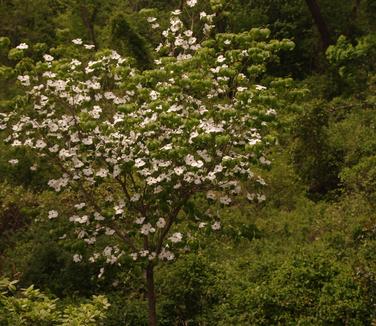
<point>31,307</point>
<point>362,178</point>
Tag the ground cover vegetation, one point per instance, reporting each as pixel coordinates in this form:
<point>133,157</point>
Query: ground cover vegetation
<point>187,162</point>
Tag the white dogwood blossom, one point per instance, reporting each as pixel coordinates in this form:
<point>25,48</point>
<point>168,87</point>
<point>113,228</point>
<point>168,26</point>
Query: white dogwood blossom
<point>77,41</point>
<point>22,46</point>
<point>13,161</point>
<point>53,214</point>
<point>191,3</point>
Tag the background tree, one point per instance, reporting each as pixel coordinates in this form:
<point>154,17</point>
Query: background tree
<point>322,27</point>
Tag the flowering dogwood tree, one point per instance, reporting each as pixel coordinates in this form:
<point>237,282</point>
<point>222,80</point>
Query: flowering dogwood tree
<point>136,146</point>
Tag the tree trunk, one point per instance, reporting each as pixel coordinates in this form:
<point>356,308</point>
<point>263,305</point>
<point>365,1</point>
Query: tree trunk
<point>354,13</point>
<point>88,21</point>
<point>151,295</point>
<point>314,8</point>
<point>351,32</point>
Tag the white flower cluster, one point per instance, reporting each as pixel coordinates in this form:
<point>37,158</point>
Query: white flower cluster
<point>22,46</point>
<point>178,39</point>
<point>176,237</point>
<point>191,3</point>
<point>166,255</point>
<point>53,214</point>
<point>112,254</point>
<point>134,151</point>
<point>13,161</point>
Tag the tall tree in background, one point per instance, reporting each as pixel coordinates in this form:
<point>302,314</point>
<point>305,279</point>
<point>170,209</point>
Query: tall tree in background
<point>89,16</point>
<point>321,25</point>
<point>125,39</point>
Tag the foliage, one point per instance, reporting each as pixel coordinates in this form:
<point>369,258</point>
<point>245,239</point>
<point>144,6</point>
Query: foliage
<point>31,307</point>
<point>193,297</point>
<point>314,157</point>
<point>353,64</point>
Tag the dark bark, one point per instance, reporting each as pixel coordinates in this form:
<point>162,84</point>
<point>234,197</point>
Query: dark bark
<point>351,32</point>
<point>88,21</point>
<point>152,311</point>
<point>354,13</point>
<point>320,23</point>
<point>221,24</point>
